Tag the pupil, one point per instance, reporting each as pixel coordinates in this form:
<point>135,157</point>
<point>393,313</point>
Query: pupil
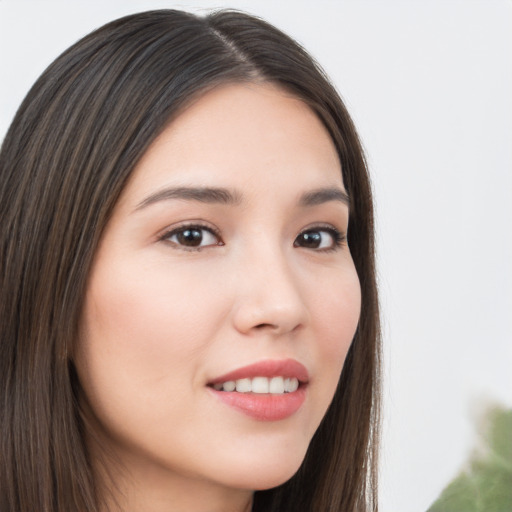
<point>190,237</point>
<point>311,239</point>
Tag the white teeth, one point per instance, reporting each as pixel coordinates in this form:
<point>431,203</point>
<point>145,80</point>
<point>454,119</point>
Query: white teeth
<point>260,385</point>
<point>276,385</point>
<point>290,385</point>
<point>229,385</point>
<point>243,385</point>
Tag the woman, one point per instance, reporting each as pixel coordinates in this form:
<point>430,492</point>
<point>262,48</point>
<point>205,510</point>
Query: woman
<point>189,312</point>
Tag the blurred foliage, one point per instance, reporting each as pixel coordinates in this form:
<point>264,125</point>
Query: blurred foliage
<point>486,483</point>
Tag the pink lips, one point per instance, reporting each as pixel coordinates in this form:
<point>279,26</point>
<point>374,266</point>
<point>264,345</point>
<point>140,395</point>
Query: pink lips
<point>265,407</point>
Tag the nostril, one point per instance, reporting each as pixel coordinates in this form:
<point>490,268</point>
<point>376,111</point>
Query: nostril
<point>265,326</point>
<point>268,316</point>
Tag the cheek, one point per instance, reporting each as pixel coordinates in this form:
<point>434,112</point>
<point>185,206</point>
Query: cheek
<point>140,349</point>
<point>140,336</point>
<point>336,320</point>
<point>143,311</point>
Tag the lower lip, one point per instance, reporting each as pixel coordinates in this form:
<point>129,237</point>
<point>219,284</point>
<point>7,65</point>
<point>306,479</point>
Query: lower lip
<point>264,407</point>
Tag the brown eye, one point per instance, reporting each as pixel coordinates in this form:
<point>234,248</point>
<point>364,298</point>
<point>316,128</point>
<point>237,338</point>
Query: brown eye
<point>190,237</point>
<point>193,237</point>
<point>319,239</point>
<point>309,239</point>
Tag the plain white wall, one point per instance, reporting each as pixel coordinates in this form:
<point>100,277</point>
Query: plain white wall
<point>429,85</point>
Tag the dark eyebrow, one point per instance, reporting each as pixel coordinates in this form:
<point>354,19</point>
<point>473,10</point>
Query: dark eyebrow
<point>324,195</point>
<point>201,194</point>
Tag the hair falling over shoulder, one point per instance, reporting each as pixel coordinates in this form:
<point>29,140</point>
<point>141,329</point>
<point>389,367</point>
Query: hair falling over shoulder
<point>65,160</point>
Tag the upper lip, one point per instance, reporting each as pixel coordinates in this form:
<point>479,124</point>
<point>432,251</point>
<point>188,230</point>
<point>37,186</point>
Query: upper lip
<point>288,368</point>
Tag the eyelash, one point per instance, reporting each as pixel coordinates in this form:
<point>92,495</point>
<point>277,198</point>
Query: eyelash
<point>338,238</point>
<point>191,227</point>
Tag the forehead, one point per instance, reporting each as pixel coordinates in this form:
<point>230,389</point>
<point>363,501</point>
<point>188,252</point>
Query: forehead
<point>239,135</point>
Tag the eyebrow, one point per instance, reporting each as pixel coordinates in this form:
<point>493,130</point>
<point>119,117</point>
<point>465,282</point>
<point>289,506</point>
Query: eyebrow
<point>217,195</point>
<point>200,194</point>
<point>324,195</point>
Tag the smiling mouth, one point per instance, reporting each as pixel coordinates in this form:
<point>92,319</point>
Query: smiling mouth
<point>260,385</point>
<point>262,398</point>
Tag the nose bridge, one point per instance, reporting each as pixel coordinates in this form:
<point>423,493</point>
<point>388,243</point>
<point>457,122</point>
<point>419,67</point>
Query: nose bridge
<point>269,293</point>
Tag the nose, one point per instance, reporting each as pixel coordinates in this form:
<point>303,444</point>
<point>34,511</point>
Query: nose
<point>269,298</point>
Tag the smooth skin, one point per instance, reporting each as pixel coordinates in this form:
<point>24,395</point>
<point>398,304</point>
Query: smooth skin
<point>188,285</point>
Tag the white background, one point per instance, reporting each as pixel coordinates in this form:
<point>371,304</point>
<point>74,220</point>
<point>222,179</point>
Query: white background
<point>429,85</point>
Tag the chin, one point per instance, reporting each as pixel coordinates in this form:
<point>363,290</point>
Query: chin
<point>261,475</point>
<point>277,480</point>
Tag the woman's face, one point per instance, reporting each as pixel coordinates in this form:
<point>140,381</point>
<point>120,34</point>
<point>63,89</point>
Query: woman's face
<point>224,265</point>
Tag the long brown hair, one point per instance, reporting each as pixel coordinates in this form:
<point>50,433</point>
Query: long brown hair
<point>64,162</point>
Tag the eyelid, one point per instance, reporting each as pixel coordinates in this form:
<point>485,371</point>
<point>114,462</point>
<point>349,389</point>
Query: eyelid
<point>200,225</point>
<point>338,235</point>
<point>324,226</point>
